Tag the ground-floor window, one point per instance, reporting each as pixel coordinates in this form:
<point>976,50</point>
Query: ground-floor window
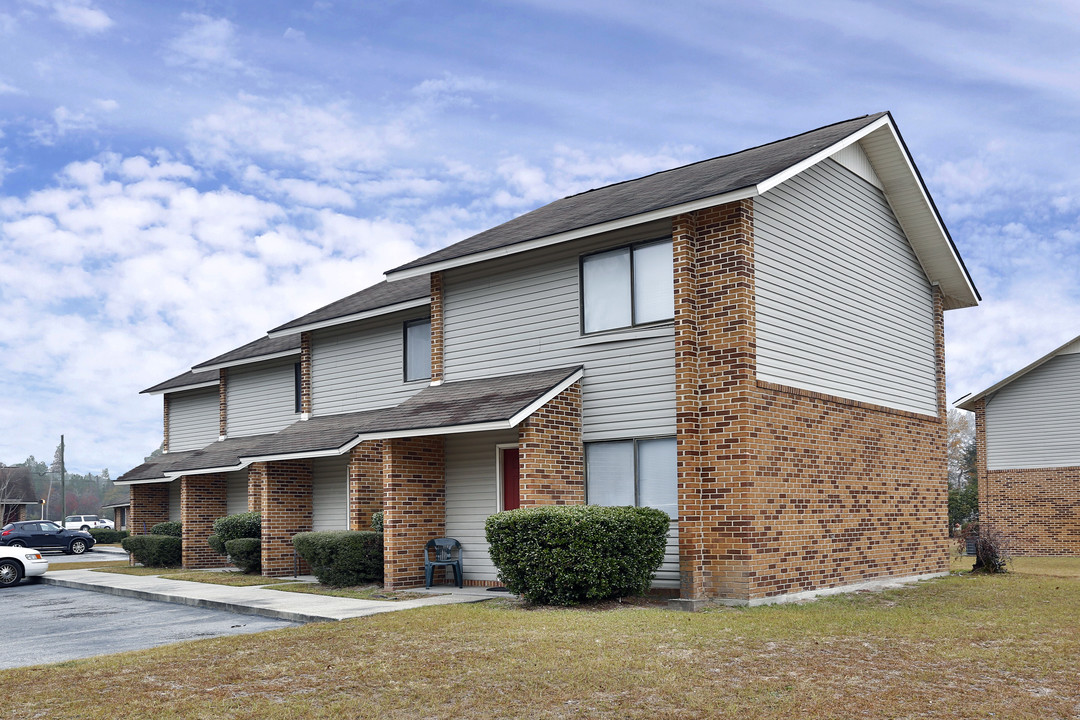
<point>633,472</point>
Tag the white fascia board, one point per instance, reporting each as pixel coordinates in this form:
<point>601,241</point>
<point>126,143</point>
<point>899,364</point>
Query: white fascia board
<point>246,361</point>
<point>174,474</point>
<point>577,234</point>
<point>385,310</point>
<point>161,480</point>
<point>968,402</point>
<point>181,388</point>
<point>302,455</point>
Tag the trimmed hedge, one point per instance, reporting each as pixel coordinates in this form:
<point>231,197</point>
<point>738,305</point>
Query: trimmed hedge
<point>216,545</point>
<point>344,557</point>
<point>377,521</point>
<point>240,525</point>
<point>173,529</point>
<point>246,554</point>
<point>154,550</point>
<point>105,536</point>
<point>569,554</point>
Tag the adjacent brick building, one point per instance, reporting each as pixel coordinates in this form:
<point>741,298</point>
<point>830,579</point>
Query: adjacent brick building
<point>753,343</point>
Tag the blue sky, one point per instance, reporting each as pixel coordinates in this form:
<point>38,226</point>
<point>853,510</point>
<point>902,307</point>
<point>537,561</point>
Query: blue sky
<point>178,177</point>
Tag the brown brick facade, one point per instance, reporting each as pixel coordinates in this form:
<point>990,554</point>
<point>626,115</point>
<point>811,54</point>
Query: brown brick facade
<point>286,510</point>
<point>436,326</point>
<point>256,476</point>
<point>223,402</point>
<point>305,373</point>
<point>1037,509</point>
<point>414,506</point>
<point>149,506</point>
<point>551,453</point>
<point>202,501</point>
<point>365,483</point>
<point>783,490</point>
<point>165,422</point>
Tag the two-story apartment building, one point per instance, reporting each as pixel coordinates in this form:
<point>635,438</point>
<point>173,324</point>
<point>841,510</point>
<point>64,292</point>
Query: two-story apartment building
<point>1027,444</point>
<point>753,343</point>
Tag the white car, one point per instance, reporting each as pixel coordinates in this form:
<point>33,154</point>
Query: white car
<point>19,562</point>
<point>87,522</point>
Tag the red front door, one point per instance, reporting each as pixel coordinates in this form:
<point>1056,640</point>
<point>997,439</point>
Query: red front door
<point>510,474</point>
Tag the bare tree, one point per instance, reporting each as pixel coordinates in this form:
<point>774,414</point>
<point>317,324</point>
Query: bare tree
<point>961,438</point>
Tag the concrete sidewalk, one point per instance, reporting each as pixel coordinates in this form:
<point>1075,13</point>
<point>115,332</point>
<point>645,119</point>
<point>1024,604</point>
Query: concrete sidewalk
<point>258,600</point>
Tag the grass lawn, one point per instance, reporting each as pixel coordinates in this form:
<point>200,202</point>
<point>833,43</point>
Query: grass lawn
<point>965,646</point>
<point>367,592</point>
<point>88,565</point>
<point>234,578</point>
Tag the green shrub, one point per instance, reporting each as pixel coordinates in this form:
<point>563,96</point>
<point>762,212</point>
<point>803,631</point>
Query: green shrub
<point>246,554</point>
<point>216,545</point>
<point>569,554</point>
<point>173,529</point>
<point>154,550</point>
<point>377,521</point>
<point>344,557</point>
<point>240,525</point>
<point>105,536</point>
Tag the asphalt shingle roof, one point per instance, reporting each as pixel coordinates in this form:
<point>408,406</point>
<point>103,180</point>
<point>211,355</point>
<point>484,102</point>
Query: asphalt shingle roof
<point>254,349</point>
<point>688,183</point>
<point>155,468</point>
<point>377,296</point>
<point>183,380</point>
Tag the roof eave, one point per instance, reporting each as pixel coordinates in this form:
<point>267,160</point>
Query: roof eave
<point>353,317</point>
<point>245,361</point>
<point>180,388</point>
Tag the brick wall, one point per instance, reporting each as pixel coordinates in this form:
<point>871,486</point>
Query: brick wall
<point>414,506</point>
<point>256,475</point>
<point>551,453</point>
<point>149,506</point>
<point>436,326</point>
<point>202,501</point>
<point>1038,509</point>
<point>165,422</point>
<point>365,483</point>
<point>305,372</point>
<point>223,403</point>
<point>286,510</point>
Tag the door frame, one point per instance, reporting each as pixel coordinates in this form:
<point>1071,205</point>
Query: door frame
<point>499,447</point>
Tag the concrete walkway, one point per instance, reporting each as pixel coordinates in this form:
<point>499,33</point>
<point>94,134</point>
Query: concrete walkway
<point>257,600</point>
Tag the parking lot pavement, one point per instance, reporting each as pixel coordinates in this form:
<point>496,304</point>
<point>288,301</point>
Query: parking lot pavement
<point>96,554</point>
<point>49,624</point>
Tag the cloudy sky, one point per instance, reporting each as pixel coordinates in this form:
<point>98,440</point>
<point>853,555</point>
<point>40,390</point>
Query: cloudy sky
<point>178,177</point>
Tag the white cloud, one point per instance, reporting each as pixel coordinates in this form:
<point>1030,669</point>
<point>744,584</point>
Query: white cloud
<point>82,16</point>
<point>294,34</point>
<point>6,89</point>
<point>208,44</point>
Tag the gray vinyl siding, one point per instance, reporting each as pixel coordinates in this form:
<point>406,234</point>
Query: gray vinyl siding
<point>174,501</point>
<point>193,419</point>
<point>261,398</point>
<point>843,305</point>
<point>472,495</point>
<point>330,493</point>
<point>236,492</point>
<point>522,313</point>
<point>1034,421</point>
<point>359,366</point>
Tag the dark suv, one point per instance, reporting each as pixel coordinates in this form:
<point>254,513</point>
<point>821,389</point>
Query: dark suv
<point>44,534</point>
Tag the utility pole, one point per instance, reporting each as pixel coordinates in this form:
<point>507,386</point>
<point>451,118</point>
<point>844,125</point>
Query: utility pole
<point>63,485</point>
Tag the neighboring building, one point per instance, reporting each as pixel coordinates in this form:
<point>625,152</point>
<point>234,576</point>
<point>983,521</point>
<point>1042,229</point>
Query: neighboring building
<point>120,510</point>
<point>1027,443</point>
<point>16,494</point>
<point>753,343</point>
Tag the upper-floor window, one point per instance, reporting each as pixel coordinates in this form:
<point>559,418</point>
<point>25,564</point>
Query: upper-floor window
<point>418,349</point>
<point>627,286</point>
<point>638,472</point>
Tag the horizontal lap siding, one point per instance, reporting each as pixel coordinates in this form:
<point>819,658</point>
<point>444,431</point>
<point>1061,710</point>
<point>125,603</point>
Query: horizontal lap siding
<point>359,366</point>
<point>471,495</point>
<point>1034,422</point>
<point>193,419</point>
<point>261,398</point>
<point>330,493</point>
<point>236,492</point>
<point>521,314</point>
<point>843,305</point>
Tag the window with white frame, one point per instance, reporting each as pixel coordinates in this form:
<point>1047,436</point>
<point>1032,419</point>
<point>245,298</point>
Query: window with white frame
<point>628,286</point>
<point>633,472</point>
<point>418,349</point>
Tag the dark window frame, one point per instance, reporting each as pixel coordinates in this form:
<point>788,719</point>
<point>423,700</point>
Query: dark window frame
<point>405,348</point>
<point>297,389</point>
<point>581,286</point>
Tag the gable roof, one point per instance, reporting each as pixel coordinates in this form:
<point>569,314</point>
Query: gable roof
<point>379,299</point>
<point>740,175</point>
<point>265,348</point>
<point>184,381</point>
<point>968,401</point>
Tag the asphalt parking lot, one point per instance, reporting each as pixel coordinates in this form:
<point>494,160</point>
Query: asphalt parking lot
<point>49,624</point>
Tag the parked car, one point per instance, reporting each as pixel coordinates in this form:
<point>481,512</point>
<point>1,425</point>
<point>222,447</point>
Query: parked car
<point>17,563</point>
<point>45,534</point>
<point>86,522</point>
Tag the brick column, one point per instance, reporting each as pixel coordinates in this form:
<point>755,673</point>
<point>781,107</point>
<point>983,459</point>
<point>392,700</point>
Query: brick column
<point>365,483</point>
<point>305,373</point>
<point>551,454</point>
<point>223,402</point>
<point>149,506</point>
<point>715,389</point>
<point>436,326</point>
<point>256,475</point>
<point>414,506</point>
<point>165,423</point>
<point>202,501</point>
<point>286,510</point>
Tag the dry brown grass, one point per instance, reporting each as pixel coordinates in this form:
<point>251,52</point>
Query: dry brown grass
<point>366,592</point>
<point>88,565</point>
<point>965,646</point>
